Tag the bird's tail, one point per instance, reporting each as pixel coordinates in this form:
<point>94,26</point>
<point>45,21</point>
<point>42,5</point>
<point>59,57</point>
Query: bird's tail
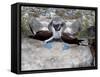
<point>80,42</point>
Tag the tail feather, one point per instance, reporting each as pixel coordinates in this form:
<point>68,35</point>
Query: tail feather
<point>80,40</point>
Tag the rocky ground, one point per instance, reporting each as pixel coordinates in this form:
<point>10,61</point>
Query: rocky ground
<point>35,56</point>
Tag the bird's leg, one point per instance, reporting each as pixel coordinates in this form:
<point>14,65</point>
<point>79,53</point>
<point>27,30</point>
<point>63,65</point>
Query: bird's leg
<point>51,38</point>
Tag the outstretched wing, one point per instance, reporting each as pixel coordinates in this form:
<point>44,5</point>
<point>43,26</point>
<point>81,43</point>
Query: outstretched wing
<point>73,27</point>
<point>37,25</point>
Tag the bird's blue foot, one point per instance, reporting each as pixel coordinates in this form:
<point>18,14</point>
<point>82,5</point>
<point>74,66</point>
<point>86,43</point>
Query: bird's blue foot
<point>66,46</point>
<point>48,45</point>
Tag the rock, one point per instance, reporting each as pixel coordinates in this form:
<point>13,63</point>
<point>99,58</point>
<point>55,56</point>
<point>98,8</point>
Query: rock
<point>35,57</point>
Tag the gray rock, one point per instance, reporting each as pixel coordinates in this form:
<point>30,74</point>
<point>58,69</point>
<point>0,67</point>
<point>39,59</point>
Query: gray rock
<point>36,57</point>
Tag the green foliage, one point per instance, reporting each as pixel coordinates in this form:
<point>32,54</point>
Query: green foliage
<point>24,26</point>
<point>78,14</point>
<point>85,24</point>
<point>35,14</point>
<point>83,34</point>
<point>60,12</point>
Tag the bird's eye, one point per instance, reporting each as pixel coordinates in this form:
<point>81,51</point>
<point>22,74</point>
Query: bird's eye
<point>62,24</point>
